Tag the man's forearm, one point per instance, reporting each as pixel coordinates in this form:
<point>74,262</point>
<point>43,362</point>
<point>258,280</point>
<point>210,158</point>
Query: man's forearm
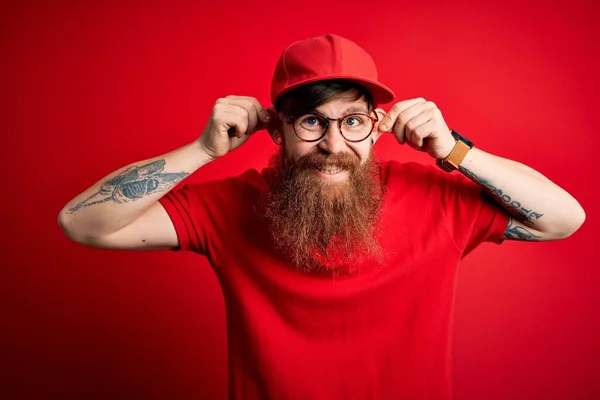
<point>122,196</point>
<point>525,193</point>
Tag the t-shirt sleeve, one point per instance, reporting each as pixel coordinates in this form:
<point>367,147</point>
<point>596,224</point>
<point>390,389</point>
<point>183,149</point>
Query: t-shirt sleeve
<point>190,215</point>
<point>473,217</point>
<point>207,214</point>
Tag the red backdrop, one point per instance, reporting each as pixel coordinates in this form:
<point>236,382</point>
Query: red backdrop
<point>89,87</point>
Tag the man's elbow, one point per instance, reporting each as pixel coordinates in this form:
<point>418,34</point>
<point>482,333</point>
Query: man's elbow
<point>67,226</point>
<point>579,219</point>
<point>572,225</point>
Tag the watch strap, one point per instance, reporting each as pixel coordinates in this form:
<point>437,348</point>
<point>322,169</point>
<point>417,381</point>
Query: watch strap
<point>457,155</point>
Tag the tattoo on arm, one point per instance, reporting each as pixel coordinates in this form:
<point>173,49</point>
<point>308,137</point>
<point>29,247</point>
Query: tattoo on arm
<point>514,207</point>
<point>133,184</point>
<point>516,232</point>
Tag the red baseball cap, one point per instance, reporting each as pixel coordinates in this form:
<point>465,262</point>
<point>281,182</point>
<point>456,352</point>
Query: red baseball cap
<point>327,57</point>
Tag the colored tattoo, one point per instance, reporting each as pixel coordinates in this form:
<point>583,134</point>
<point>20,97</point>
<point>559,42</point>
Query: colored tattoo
<point>514,207</point>
<point>133,184</point>
<point>517,232</point>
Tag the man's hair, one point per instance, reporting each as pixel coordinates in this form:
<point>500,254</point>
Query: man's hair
<point>308,97</point>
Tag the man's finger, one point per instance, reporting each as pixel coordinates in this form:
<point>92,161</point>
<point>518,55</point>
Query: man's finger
<point>268,116</point>
<point>402,126</point>
<point>262,114</point>
<point>380,112</point>
<point>247,107</point>
<point>237,122</point>
<point>390,118</point>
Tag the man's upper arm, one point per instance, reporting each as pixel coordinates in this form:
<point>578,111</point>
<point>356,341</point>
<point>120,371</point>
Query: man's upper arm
<point>153,230</point>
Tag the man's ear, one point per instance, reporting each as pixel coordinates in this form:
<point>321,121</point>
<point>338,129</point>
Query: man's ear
<point>275,126</point>
<point>376,132</point>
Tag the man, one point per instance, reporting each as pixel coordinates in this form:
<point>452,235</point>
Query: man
<point>338,270</point>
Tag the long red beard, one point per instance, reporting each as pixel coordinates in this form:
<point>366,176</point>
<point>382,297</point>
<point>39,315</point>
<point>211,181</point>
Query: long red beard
<point>321,224</point>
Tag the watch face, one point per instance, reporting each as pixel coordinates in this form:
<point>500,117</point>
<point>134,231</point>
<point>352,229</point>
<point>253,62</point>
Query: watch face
<point>458,136</point>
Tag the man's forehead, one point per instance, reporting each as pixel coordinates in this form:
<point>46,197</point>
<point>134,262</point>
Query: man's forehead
<point>343,105</point>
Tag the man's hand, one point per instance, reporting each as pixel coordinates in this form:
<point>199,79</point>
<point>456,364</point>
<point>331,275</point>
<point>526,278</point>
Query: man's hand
<point>232,121</point>
<point>420,124</point>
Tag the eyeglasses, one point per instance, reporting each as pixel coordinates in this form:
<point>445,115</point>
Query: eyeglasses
<point>313,126</point>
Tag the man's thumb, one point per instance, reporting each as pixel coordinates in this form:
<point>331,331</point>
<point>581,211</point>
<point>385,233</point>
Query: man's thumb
<point>384,120</point>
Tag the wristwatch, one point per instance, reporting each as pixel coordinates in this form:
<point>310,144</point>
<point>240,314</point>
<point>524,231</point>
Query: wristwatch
<point>458,153</point>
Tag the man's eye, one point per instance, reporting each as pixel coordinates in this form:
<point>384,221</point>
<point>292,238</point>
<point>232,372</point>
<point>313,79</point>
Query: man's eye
<point>311,121</point>
<point>352,121</point>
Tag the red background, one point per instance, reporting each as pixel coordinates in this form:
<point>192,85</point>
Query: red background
<point>90,87</point>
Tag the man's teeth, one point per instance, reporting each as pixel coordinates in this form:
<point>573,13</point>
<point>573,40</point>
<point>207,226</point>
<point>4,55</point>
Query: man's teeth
<point>331,171</point>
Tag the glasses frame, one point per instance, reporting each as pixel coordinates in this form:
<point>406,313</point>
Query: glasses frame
<point>374,119</point>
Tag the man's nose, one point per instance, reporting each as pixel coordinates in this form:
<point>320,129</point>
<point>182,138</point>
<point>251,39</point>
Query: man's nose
<point>333,142</point>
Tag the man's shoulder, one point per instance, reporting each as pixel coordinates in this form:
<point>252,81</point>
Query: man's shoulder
<point>415,179</point>
<point>393,170</point>
<point>250,180</point>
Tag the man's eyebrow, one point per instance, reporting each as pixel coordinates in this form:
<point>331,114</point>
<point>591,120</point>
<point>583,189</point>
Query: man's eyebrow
<point>349,110</point>
<point>356,109</point>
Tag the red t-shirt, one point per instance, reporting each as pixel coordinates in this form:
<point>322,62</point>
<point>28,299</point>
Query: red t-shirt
<point>381,334</point>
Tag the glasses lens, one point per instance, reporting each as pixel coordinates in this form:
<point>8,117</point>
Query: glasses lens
<point>310,126</point>
<point>356,126</point>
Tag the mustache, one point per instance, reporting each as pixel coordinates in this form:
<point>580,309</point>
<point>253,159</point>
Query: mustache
<point>320,160</point>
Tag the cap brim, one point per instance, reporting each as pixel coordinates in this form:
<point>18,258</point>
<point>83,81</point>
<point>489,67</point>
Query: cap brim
<point>381,93</point>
